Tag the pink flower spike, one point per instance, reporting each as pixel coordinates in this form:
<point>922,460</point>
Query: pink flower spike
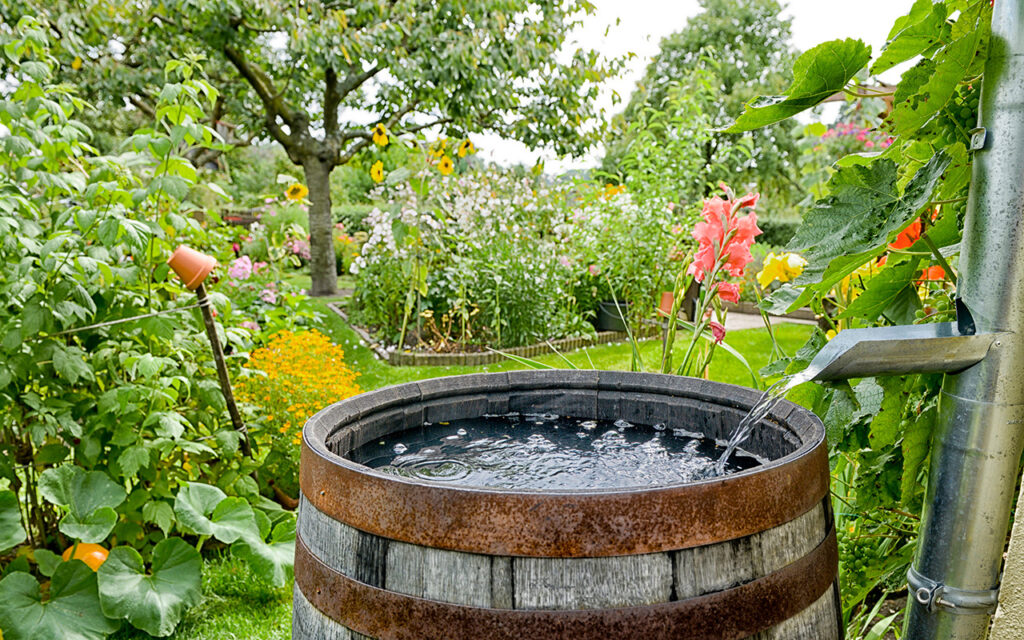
<point>728,291</point>
<point>718,331</point>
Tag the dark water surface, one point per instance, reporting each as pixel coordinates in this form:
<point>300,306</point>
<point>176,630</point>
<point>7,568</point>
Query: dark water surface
<point>544,451</point>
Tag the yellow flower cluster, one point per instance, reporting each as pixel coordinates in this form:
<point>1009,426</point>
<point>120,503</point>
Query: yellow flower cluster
<point>304,372</point>
<point>783,267</point>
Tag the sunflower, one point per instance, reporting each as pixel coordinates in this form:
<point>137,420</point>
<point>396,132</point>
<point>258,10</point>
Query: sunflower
<point>437,148</point>
<point>297,191</point>
<point>466,148</point>
<point>446,166</point>
<point>380,135</point>
<point>76,64</point>
<point>377,171</point>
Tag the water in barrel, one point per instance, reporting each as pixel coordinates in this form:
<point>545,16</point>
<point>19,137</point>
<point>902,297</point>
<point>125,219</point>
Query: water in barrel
<point>550,452</point>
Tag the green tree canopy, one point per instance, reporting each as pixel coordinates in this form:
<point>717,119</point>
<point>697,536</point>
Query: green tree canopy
<point>317,76</point>
<point>741,48</point>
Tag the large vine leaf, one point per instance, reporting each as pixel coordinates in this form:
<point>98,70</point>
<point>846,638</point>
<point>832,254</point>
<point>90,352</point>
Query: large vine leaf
<point>273,561</point>
<point>817,74</point>
<point>11,531</point>
<point>205,510</point>
<point>912,35</point>
<point>883,290</point>
<point>853,224</point>
<point>89,497</point>
<point>953,63</point>
<point>885,427</point>
<point>72,611</point>
<point>153,602</point>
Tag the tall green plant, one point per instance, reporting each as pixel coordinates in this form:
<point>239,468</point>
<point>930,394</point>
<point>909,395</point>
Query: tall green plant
<point>882,245</point>
<point>111,430</point>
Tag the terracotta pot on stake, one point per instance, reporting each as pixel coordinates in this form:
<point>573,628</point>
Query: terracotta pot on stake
<point>193,268</point>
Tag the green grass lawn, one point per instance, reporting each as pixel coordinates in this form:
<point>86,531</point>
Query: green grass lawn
<point>238,606</point>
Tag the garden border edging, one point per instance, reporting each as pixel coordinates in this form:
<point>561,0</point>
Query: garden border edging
<point>415,359</point>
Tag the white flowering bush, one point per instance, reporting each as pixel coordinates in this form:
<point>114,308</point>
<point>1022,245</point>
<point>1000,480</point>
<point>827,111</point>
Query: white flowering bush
<point>490,258</point>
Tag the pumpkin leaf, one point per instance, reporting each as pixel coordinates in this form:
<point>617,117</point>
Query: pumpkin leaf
<point>11,531</point>
<point>205,510</point>
<point>89,497</point>
<point>154,602</point>
<point>274,560</point>
<point>72,611</point>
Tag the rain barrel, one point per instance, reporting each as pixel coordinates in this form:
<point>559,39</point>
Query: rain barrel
<point>748,555</point>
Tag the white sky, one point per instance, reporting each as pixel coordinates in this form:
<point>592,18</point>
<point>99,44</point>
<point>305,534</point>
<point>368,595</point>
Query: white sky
<point>643,23</point>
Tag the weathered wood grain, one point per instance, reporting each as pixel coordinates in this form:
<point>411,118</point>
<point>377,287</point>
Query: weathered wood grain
<point>592,583</point>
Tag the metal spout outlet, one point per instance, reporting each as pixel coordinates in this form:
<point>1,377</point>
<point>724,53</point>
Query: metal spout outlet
<point>883,351</point>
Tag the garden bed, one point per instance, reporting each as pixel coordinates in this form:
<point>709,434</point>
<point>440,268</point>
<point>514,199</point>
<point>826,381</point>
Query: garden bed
<point>425,358</point>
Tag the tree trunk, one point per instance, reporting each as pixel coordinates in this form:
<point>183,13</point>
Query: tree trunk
<point>322,265</point>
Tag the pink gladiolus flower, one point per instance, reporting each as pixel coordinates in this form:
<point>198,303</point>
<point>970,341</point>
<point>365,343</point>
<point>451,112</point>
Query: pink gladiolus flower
<point>724,236</point>
<point>728,291</point>
<point>718,331</point>
<point>594,269</point>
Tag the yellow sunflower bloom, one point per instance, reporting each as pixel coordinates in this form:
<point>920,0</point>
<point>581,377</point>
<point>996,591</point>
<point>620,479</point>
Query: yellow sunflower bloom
<point>446,166</point>
<point>76,64</point>
<point>466,148</point>
<point>437,149</point>
<point>380,135</point>
<point>377,171</point>
<point>783,267</point>
<point>296,192</point>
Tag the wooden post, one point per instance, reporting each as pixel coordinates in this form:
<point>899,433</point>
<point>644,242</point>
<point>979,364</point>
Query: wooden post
<point>222,369</point>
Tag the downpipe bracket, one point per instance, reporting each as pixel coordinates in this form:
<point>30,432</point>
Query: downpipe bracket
<point>935,596</point>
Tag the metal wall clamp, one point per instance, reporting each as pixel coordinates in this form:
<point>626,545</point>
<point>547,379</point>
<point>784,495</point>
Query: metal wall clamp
<point>935,596</point>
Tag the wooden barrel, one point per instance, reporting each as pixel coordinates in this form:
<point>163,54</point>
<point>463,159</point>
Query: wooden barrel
<point>749,555</point>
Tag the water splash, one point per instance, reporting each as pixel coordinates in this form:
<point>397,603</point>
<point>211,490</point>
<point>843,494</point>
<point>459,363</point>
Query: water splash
<point>764,406</point>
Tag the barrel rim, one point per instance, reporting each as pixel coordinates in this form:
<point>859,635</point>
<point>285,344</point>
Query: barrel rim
<point>730,614</point>
<point>563,523</point>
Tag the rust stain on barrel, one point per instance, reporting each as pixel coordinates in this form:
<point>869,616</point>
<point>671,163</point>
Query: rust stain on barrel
<point>564,524</point>
<point>735,613</point>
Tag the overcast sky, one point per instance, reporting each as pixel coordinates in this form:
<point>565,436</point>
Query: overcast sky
<point>643,23</point>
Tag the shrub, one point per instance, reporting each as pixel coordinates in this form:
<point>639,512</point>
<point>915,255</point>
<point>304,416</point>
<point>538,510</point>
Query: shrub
<point>291,378</point>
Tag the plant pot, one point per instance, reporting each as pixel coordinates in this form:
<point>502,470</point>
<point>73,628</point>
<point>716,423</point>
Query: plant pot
<point>191,266</point>
<point>610,316</point>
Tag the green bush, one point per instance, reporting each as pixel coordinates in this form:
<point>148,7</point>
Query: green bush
<point>776,233</point>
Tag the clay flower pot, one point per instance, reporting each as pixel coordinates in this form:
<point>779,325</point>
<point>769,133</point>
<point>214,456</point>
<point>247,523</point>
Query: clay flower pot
<point>191,266</point>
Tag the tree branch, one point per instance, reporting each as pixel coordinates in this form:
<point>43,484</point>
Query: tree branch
<point>332,100</point>
<point>272,103</point>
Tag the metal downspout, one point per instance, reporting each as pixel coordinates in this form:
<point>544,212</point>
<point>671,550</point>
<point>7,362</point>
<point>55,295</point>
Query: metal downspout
<point>980,434</point>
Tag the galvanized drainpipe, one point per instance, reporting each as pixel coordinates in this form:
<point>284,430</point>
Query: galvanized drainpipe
<point>980,435</point>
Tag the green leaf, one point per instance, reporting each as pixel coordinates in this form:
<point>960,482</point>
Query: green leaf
<point>205,510</point>
<point>817,74</point>
<point>912,35</point>
<point>882,290</point>
<point>274,561</point>
<point>89,496</point>
<point>48,561</point>
<point>94,526</point>
<point>885,427</point>
<point>154,602</point>
<point>952,64</point>
<point>11,531</point>
<point>132,459</point>
<point>70,364</point>
<point>853,224</point>
<point>159,513</point>
<point>917,439</point>
<point>81,491</point>
<point>72,611</point>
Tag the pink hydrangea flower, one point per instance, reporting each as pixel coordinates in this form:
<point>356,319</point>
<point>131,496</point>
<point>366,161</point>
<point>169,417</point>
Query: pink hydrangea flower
<point>240,268</point>
<point>269,296</point>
